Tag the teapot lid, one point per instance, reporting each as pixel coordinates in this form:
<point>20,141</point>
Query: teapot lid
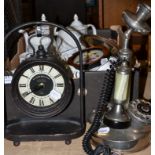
<point>76,23</point>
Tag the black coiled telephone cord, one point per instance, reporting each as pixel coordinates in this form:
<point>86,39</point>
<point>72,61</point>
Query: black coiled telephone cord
<point>104,98</point>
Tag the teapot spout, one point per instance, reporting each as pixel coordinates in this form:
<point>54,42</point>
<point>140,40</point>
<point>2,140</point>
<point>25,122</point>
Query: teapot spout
<point>76,17</point>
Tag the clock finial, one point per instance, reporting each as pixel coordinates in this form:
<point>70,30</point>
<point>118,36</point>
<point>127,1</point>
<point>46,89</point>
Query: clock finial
<point>41,53</point>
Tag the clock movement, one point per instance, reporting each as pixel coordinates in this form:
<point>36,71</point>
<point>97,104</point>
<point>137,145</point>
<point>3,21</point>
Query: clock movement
<point>42,100</point>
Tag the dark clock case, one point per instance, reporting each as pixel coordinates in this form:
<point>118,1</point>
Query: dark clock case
<point>67,124</point>
<point>21,127</point>
<point>64,126</point>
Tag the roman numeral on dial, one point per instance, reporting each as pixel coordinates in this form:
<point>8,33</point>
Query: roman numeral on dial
<point>22,85</point>
<point>57,76</point>
<point>32,70</point>
<point>25,76</point>
<point>50,70</point>
<point>60,84</point>
<point>25,94</point>
<point>51,100</point>
<point>32,100</point>
<point>41,67</point>
<point>41,103</point>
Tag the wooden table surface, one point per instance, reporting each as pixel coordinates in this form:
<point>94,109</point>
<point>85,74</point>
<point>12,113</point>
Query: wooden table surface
<point>53,148</point>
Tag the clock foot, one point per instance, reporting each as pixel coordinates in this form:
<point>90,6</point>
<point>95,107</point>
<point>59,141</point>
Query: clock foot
<point>68,141</point>
<point>16,143</point>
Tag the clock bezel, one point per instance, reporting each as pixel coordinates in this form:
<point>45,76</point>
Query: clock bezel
<point>51,110</point>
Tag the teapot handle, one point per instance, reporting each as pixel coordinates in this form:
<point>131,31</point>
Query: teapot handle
<point>56,33</point>
<point>93,28</point>
<point>26,37</point>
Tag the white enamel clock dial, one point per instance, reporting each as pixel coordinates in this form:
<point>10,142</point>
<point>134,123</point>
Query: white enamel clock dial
<point>41,85</point>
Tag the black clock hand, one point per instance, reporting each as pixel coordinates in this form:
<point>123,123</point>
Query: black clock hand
<point>40,86</point>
